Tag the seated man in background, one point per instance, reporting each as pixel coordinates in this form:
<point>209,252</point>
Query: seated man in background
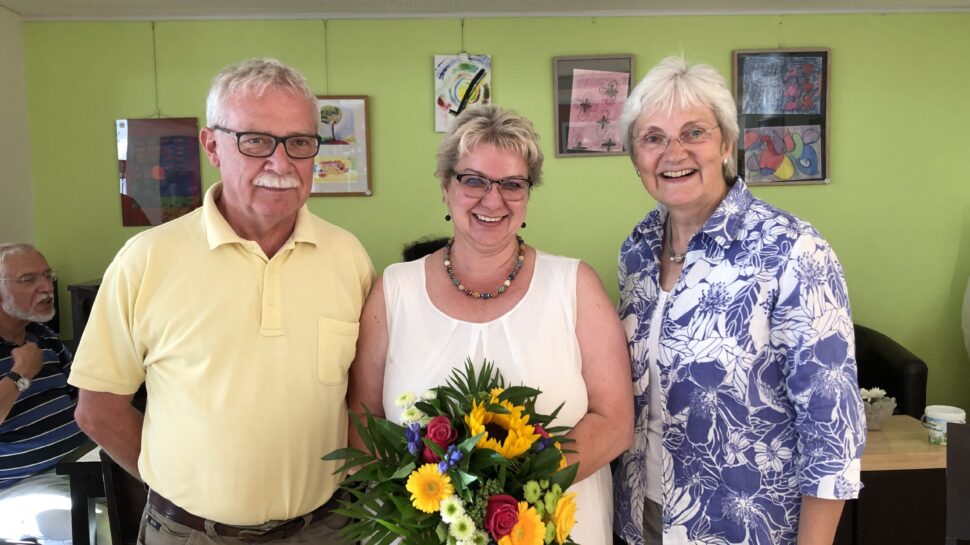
<point>37,426</point>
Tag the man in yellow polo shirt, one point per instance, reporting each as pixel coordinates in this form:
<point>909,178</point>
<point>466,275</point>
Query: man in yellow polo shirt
<point>241,319</point>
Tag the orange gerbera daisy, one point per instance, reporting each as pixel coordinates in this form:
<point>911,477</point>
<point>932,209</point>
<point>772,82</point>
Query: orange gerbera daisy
<point>529,530</point>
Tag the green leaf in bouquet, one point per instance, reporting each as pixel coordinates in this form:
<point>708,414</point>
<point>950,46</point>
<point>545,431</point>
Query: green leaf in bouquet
<point>433,446</point>
<point>361,429</point>
<point>467,445</point>
<point>496,408</point>
<point>403,471</point>
<point>545,419</point>
<point>565,476</point>
<point>518,395</point>
<point>482,460</point>
<point>389,438</point>
<point>465,478</point>
<point>539,465</point>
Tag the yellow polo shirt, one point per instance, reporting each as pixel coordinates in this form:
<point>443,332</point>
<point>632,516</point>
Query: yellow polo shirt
<point>244,357</point>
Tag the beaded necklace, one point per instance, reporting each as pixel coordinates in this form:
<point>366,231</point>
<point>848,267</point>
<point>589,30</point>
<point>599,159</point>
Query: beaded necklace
<point>484,294</point>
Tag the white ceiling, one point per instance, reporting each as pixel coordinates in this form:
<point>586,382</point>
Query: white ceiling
<point>289,9</point>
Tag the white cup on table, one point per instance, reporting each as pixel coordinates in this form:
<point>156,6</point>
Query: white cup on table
<point>936,417</point>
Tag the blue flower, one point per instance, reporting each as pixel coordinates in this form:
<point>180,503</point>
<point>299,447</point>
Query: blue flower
<point>413,435</point>
<point>451,459</point>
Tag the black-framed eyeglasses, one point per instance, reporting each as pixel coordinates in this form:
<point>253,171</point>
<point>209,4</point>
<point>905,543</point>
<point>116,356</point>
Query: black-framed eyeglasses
<point>657,142</point>
<point>30,279</point>
<point>475,186</point>
<point>261,144</point>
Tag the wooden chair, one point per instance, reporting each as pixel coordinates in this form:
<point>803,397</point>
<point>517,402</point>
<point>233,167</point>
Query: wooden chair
<point>126,497</point>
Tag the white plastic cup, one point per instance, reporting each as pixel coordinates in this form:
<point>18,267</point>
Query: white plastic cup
<point>936,417</point>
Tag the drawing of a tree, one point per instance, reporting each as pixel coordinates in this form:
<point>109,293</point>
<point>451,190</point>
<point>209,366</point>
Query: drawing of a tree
<point>331,115</point>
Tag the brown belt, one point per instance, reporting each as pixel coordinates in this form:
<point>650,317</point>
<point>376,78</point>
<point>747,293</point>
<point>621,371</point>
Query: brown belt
<point>282,530</point>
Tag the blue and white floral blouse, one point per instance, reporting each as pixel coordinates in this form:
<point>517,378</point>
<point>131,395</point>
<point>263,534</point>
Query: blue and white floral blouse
<point>757,374</point>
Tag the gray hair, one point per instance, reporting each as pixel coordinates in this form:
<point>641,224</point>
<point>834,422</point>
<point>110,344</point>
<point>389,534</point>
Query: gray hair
<point>8,249</point>
<point>673,84</point>
<point>253,77</point>
<point>489,124</point>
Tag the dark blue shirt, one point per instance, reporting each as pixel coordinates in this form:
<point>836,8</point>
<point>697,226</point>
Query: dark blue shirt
<point>40,428</point>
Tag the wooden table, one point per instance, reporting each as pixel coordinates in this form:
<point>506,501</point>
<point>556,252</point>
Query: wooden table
<point>902,444</point>
<point>904,499</point>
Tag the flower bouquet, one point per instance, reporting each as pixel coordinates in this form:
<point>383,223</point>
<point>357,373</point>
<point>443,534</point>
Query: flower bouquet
<point>471,462</point>
<point>878,406</point>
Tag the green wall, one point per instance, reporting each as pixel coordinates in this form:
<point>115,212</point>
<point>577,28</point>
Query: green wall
<point>17,202</point>
<point>897,210</point>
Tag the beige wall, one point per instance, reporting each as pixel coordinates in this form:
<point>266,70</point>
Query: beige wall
<point>16,182</point>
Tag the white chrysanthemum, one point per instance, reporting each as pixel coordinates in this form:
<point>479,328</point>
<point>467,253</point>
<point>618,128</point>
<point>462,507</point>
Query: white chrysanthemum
<point>412,415</point>
<point>451,509</point>
<point>428,395</point>
<point>480,538</point>
<point>463,528</point>
<point>406,400</point>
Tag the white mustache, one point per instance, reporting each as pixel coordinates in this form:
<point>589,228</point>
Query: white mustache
<point>275,181</point>
<point>44,299</point>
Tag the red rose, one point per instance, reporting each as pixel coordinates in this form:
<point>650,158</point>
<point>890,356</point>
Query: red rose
<point>501,515</point>
<point>441,433</point>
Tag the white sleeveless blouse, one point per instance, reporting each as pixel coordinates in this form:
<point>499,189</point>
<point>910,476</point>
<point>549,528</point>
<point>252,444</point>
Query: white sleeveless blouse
<point>533,344</point>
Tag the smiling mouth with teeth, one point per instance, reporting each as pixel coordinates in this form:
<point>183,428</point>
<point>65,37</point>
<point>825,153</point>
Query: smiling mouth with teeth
<point>678,173</point>
<point>487,219</point>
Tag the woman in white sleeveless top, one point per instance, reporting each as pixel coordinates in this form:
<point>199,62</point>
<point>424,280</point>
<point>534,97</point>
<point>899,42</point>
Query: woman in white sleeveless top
<point>544,320</point>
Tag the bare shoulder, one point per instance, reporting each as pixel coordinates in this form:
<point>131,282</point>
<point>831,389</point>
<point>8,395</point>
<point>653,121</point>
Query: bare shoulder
<point>588,280</point>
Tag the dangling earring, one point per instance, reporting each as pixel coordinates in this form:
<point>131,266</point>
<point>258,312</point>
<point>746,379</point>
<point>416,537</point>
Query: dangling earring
<point>638,171</point>
<point>523,225</point>
<point>447,217</point>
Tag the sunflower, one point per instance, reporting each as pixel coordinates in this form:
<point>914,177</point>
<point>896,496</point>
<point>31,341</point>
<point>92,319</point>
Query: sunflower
<point>565,516</point>
<point>529,530</point>
<point>428,487</point>
<point>508,434</point>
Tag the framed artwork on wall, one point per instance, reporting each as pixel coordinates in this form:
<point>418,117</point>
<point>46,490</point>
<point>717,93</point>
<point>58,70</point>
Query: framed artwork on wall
<point>158,169</point>
<point>783,114</point>
<point>342,166</point>
<point>460,81</point>
<point>589,93</point>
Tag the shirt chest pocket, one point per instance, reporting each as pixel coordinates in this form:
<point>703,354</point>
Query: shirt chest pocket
<point>336,347</point>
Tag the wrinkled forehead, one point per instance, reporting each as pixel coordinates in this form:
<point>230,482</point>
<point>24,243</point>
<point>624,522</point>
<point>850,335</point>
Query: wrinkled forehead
<point>270,103</point>
<point>17,265</point>
<point>676,118</point>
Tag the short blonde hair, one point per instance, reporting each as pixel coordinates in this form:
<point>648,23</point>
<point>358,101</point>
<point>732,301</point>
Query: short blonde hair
<point>672,84</point>
<point>489,124</point>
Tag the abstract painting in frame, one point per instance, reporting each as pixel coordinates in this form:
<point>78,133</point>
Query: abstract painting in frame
<point>342,166</point>
<point>158,169</point>
<point>782,97</point>
<point>589,94</point>
<point>460,81</point>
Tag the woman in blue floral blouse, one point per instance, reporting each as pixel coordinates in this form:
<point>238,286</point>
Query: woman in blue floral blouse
<point>749,424</point>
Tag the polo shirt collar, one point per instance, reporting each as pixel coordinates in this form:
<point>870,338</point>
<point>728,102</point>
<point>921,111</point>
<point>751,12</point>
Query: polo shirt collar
<point>219,232</point>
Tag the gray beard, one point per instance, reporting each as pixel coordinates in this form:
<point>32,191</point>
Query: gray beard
<point>19,314</point>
